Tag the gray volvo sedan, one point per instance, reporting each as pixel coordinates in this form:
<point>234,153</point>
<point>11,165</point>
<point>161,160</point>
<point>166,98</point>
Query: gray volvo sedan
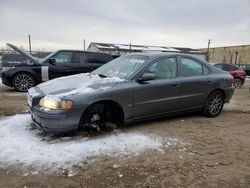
<point>128,89</point>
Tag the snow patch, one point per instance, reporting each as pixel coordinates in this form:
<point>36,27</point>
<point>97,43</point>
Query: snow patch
<point>23,146</point>
<point>1,83</point>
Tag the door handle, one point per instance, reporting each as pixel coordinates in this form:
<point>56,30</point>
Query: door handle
<point>174,84</point>
<point>208,81</point>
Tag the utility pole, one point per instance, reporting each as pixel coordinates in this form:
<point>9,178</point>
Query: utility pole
<point>236,58</point>
<point>208,46</point>
<point>84,44</point>
<point>29,44</point>
<point>130,47</point>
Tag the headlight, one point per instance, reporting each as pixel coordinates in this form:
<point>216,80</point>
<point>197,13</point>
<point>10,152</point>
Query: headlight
<point>55,103</point>
<point>5,69</point>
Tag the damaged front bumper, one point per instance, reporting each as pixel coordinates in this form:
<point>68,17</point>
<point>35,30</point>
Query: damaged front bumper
<point>55,121</point>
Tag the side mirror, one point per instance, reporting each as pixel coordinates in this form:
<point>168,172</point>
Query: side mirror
<point>146,77</point>
<point>52,61</point>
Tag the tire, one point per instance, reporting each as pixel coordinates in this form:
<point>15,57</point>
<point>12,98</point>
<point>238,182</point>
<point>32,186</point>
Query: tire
<point>237,83</point>
<point>23,81</point>
<point>214,104</point>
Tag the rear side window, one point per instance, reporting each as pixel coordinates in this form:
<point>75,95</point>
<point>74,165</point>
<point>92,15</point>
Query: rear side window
<point>81,57</point>
<point>63,57</point>
<point>219,66</point>
<point>99,58</point>
<point>191,67</point>
<point>229,68</point>
<point>206,71</point>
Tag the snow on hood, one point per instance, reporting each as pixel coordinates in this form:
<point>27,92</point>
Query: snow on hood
<point>23,147</point>
<point>76,84</point>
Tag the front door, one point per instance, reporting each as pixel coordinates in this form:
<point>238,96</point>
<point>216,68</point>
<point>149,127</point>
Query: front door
<point>62,65</point>
<point>161,94</point>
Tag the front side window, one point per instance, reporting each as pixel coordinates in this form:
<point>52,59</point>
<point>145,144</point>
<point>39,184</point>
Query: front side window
<point>190,67</point>
<point>164,69</point>
<point>63,57</point>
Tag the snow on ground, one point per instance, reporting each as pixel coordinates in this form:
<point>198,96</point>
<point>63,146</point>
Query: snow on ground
<point>23,146</point>
<point>1,81</point>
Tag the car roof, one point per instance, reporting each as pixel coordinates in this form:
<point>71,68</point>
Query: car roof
<point>71,50</point>
<point>155,55</point>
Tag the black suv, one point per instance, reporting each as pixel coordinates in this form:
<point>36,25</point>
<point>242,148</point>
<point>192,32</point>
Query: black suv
<point>26,74</point>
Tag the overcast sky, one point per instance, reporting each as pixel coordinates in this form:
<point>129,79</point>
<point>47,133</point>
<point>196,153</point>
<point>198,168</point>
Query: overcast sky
<point>64,24</point>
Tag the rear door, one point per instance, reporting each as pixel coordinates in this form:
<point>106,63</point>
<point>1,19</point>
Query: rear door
<point>62,65</point>
<point>160,95</point>
<point>88,61</point>
<point>196,83</point>
<point>98,59</point>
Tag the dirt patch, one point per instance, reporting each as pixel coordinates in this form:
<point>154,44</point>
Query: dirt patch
<point>216,153</point>
<point>11,102</point>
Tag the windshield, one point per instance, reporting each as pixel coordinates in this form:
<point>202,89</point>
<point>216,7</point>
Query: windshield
<point>122,67</point>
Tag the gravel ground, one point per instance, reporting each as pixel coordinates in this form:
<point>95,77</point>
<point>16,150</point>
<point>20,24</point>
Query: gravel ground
<point>212,152</point>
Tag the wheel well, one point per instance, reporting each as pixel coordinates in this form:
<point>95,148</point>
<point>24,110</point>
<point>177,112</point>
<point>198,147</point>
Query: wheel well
<point>111,111</point>
<point>223,92</point>
<point>21,73</point>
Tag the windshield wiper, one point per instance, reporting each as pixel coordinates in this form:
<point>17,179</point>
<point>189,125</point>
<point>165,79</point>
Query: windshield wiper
<point>102,75</point>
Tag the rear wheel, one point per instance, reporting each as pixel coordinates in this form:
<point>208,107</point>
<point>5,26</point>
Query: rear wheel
<point>23,81</point>
<point>214,104</point>
<point>237,83</point>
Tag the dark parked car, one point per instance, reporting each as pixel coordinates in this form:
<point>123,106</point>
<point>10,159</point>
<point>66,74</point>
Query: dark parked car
<point>128,89</point>
<point>238,73</point>
<point>247,70</point>
<point>26,74</point>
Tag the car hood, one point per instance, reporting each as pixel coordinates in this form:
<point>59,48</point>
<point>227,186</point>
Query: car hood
<point>84,83</point>
<point>28,56</point>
